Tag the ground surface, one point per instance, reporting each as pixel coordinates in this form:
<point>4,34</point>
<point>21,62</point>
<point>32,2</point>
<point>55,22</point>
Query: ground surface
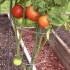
<point>51,60</point>
<point>64,34</point>
<point>7,50</point>
<point>7,46</point>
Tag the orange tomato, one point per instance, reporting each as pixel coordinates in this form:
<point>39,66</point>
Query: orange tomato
<point>43,21</point>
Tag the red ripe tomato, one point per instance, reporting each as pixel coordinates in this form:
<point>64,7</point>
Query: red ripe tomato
<point>17,11</point>
<point>31,13</point>
<point>43,21</point>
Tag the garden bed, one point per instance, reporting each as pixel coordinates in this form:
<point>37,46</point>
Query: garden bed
<point>7,50</point>
<point>7,45</point>
<point>43,61</point>
<point>61,45</point>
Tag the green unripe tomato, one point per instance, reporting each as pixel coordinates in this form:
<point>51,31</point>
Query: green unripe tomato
<point>19,22</point>
<point>17,61</point>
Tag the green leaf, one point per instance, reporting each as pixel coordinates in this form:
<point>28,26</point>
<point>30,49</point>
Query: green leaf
<point>41,10</point>
<point>48,34</point>
<point>61,2</point>
<point>42,4</point>
<point>64,18</point>
<point>52,14</point>
<point>57,2</point>
<point>56,22</point>
<point>67,26</point>
<point>50,18</point>
<point>21,1</point>
<point>2,1</point>
<point>28,3</point>
<point>32,1</point>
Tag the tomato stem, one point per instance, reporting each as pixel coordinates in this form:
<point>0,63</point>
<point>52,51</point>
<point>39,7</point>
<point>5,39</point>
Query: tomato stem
<point>24,20</point>
<point>23,66</point>
<point>37,47</point>
<point>17,40</point>
<point>16,1</point>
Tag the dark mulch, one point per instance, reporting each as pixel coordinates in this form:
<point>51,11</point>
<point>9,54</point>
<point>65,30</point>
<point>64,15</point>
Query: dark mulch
<point>51,61</point>
<point>7,45</point>
<point>64,34</point>
<point>8,50</point>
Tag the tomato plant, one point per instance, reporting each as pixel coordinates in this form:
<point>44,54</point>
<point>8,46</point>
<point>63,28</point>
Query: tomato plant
<point>35,11</point>
<point>17,11</point>
<point>43,21</point>
<point>31,13</point>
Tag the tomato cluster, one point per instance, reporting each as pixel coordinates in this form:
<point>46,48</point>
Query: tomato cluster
<point>33,15</point>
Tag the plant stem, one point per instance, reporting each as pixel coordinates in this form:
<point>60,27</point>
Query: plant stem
<point>43,44</point>
<point>15,30</point>
<point>23,66</point>
<point>36,51</point>
<point>17,40</point>
<point>39,45</point>
<point>16,2</point>
<point>35,47</point>
<point>24,20</point>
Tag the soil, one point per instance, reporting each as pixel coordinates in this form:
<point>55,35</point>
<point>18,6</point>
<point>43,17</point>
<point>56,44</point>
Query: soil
<point>7,49</point>
<point>7,45</point>
<point>63,34</point>
<point>48,61</point>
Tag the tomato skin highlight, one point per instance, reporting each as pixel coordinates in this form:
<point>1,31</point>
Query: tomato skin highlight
<point>43,21</point>
<point>17,11</point>
<point>31,13</point>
